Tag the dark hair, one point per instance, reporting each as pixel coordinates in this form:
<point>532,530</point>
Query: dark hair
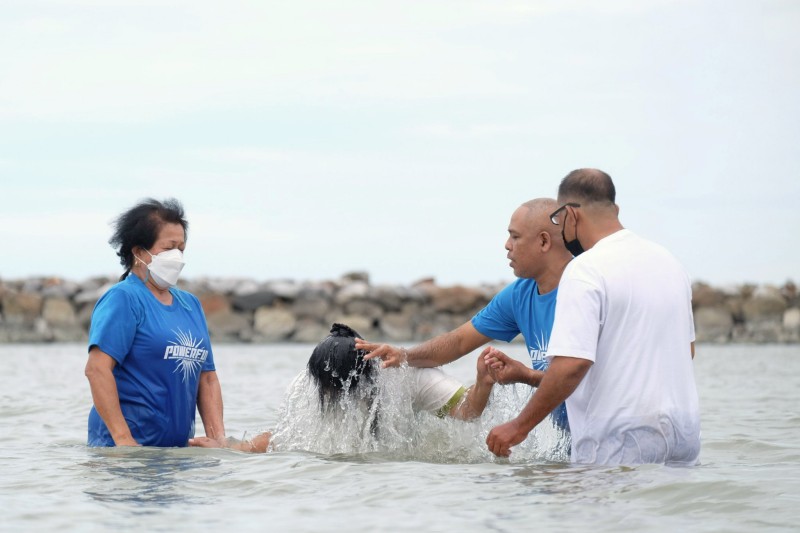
<point>139,226</point>
<point>587,185</point>
<point>336,366</point>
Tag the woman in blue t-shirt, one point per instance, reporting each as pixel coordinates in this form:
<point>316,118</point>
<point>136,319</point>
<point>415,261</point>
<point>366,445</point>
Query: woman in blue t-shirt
<point>150,360</point>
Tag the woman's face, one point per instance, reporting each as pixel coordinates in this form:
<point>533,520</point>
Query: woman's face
<point>171,236</point>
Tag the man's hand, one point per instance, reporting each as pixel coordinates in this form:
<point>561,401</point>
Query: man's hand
<point>503,437</point>
<point>561,379</point>
<point>392,356</point>
<point>504,369</point>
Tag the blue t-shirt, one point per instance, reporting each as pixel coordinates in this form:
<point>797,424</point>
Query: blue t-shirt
<point>160,352</point>
<point>519,308</point>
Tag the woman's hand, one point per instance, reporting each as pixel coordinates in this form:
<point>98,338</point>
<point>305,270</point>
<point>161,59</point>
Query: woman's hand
<point>126,441</point>
<point>208,442</point>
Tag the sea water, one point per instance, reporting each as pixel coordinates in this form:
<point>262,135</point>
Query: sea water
<point>424,473</point>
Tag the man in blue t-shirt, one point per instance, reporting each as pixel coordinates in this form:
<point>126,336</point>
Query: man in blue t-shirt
<point>526,306</point>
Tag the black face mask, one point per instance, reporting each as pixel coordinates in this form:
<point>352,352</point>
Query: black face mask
<point>574,246</point>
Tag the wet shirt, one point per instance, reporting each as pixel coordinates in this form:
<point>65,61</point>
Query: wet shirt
<point>434,390</point>
<point>519,308</point>
<point>626,305</point>
<point>160,352</point>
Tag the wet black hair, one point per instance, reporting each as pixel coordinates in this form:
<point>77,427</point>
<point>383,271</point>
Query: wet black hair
<point>587,185</point>
<point>336,366</point>
<point>139,226</point>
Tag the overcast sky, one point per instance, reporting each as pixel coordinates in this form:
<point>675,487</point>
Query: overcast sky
<point>307,139</point>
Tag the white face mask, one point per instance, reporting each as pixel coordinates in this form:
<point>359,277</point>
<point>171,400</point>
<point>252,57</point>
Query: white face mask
<point>165,267</point>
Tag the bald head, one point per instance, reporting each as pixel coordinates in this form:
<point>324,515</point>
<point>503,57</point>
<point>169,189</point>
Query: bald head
<point>534,244</point>
<point>538,215</point>
<point>541,204</point>
<point>587,186</point>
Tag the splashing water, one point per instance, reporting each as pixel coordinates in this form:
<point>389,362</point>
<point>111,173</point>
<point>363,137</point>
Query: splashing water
<point>377,418</point>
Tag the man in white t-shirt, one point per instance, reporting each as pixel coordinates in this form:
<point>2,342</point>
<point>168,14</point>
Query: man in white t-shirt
<point>622,343</point>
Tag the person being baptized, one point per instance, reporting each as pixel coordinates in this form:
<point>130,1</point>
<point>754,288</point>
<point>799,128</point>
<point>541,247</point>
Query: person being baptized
<point>341,374</point>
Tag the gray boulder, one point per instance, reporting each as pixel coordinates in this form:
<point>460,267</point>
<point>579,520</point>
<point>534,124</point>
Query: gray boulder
<point>765,304</point>
<point>310,331</point>
<point>58,312</point>
<point>713,324</point>
<point>228,326</point>
<point>272,324</point>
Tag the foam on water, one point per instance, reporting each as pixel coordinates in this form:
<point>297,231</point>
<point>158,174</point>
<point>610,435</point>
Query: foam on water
<point>378,418</point>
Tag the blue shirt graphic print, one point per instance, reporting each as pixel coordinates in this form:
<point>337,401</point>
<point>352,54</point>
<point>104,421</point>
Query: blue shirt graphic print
<point>519,308</point>
<point>160,352</point>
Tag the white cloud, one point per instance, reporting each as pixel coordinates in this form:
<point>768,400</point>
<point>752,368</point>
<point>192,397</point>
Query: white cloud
<point>223,228</point>
<point>243,155</point>
<point>21,227</point>
<point>97,64</point>
<point>409,127</point>
<point>443,130</point>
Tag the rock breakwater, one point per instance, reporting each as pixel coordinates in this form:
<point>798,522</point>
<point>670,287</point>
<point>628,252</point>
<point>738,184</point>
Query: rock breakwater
<point>245,310</point>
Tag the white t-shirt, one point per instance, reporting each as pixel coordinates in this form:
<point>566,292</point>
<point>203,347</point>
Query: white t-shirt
<point>432,388</point>
<point>625,304</point>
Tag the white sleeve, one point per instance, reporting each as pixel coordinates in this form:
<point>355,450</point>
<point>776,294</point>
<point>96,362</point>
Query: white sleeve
<point>433,388</point>
<point>578,317</point>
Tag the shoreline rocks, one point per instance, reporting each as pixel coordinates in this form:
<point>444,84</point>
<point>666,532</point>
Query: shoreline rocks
<point>245,310</point>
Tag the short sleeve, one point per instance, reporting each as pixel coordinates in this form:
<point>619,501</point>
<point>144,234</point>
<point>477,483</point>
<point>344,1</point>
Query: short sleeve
<point>692,333</point>
<point>208,364</point>
<point>497,319</point>
<point>114,323</point>
<point>578,317</point>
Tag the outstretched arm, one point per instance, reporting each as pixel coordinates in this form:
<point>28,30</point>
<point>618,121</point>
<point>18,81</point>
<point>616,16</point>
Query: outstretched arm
<point>561,379</point>
<point>506,370</point>
<point>259,443</point>
<point>476,398</point>
<point>438,351</point>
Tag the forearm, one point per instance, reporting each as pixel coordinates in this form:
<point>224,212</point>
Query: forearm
<point>474,402</point>
<point>447,347</point>
<point>506,370</point>
<point>532,377</point>
<point>435,352</point>
<point>209,404</point>
<point>106,401</point>
<point>556,385</point>
<point>259,443</point>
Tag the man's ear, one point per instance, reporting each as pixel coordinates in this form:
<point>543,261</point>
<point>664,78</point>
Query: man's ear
<point>545,242</point>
